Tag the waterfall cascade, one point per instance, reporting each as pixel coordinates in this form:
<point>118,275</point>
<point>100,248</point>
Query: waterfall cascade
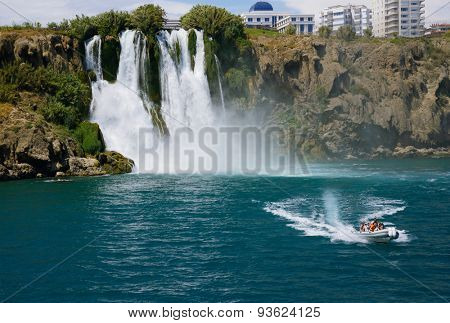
<point>186,100</point>
<point>93,56</point>
<point>120,108</point>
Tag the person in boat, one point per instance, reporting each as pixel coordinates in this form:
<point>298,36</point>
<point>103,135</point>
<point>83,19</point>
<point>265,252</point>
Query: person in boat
<point>373,225</point>
<point>362,227</point>
<point>380,226</point>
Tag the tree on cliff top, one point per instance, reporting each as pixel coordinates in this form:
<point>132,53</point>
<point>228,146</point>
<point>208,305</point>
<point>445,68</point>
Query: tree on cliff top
<point>346,32</point>
<point>148,18</point>
<point>324,31</point>
<point>215,22</point>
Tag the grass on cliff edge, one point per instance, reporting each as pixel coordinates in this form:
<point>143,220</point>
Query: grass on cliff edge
<point>255,32</point>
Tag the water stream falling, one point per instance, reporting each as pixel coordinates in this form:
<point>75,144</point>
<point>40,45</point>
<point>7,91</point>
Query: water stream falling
<point>219,79</point>
<point>120,108</point>
<point>186,100</point>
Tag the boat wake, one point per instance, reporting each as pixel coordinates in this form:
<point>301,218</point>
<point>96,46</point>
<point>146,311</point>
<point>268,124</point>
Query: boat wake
<point>320,217</point>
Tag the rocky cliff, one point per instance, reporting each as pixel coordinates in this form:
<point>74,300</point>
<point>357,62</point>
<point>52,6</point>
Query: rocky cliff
<point>40,49</point>
<point>29,145</point>
<point>361,99</point>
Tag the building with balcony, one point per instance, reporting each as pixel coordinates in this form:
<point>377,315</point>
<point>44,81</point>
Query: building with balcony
<point>262,15</point>
<point>403,18</point>
<point>357,16</point>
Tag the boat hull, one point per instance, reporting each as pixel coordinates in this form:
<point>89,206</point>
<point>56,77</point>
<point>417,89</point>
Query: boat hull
<point>384,235</point>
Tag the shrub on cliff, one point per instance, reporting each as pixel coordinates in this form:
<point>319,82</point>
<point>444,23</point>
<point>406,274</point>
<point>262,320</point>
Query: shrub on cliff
<point>324,31</point>
<point>236,81</point>
<point>68,90</point>
<point>291,30</point>
<point>368,33</point>
<point>148,18</point>
<point>58,113</point>
<point>90,137</point>
<point>346,33</point>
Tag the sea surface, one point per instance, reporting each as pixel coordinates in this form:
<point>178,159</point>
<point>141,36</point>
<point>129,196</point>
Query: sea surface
<point>167,238</point>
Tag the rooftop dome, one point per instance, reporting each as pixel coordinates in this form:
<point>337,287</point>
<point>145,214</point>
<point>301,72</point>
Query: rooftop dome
<point>261,6</point>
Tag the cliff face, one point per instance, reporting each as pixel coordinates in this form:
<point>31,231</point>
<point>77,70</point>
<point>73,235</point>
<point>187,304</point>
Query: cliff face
<point>29,145</point>
<point>40,49</point>
<point>363,99</point>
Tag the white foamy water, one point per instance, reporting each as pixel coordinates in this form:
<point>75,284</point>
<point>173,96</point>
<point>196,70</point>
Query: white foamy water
<point>119,107</point>
<point>322,217</point>
<point>378,208</point>
<point>186,100</point>
<point>312,221</point>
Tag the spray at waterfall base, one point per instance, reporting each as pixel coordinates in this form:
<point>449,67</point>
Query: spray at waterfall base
<point>202,138</point>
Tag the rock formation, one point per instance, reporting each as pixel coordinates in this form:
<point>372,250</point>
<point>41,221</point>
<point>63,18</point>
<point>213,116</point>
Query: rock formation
<point>359,99</point>
<point>31,147</point>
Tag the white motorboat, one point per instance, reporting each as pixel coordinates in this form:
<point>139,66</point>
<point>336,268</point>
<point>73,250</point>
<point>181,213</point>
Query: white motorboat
<point>385,235</point>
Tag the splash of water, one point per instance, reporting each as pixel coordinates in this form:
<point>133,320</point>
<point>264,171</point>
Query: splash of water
<point>119,108</point>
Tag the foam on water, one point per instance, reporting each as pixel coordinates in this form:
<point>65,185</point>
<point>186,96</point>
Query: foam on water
<point>322,217</point>
<point>325,222</point>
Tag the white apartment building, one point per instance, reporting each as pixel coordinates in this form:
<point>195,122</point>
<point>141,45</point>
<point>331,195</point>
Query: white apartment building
<point>262,15</point>
<point>403,18</point>
<point>304,24</point>
<point>357,16</point>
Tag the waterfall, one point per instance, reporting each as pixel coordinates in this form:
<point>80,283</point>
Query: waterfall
<point>219,79</point>
<point>186,100</point>
<point>120,108</point>
<point>93,56</point>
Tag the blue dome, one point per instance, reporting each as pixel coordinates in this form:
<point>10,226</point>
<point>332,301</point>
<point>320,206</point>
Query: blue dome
<point>261,6</point>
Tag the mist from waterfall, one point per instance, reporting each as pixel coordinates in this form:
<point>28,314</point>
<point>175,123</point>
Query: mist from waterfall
<point>120,108</point>
<point>199,138</point>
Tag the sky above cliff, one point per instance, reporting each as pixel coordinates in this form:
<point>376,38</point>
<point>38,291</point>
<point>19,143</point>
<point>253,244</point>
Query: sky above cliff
<point>45,11</point>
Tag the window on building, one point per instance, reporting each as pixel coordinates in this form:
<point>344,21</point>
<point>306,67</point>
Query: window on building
<point>293,19</point>
<point>310,28</point>
<point>309,18</point>
<point>266,19</point>
<point>280,17</point>
<point>404,21</point>
<point>413,27</point>
<point>413,33</point>
<point>250,19</point>
<point>302,19</point>
<point>258,19</point>
<point>413,3</point>
<point>414,9</point>
<point>404,16</point>
<point>404,9</point>
<point>302,29</point>
<point>413,21</point>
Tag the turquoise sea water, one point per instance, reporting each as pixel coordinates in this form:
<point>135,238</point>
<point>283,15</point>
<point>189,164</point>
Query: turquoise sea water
<point>161,238</point>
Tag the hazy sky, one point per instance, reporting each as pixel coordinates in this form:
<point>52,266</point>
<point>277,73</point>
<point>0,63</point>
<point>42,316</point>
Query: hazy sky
<point>55,10</point>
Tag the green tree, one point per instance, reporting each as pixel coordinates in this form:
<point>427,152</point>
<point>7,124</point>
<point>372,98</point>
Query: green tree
<point>346,33</point>
<point>111,23</point>
<point>368,33</point>
<point>214,21</point>
<point>148,18</point>
<point>291,30</point>
<point>324,31</point>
